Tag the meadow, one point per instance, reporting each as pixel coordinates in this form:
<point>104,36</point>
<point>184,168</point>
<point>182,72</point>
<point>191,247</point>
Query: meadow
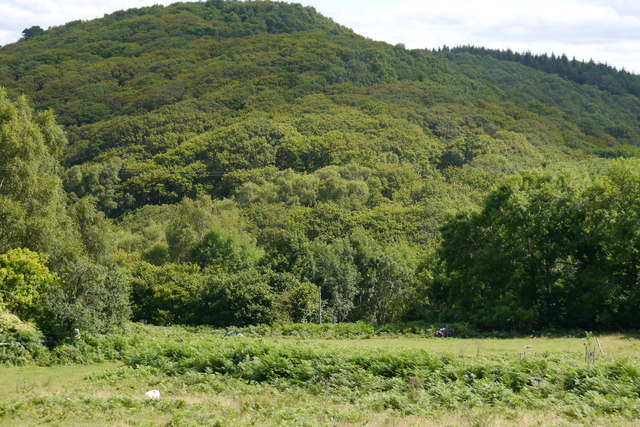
<point>331,375</point>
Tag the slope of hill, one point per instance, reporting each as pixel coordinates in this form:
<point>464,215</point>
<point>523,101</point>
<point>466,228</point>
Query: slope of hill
<point>602,76</point>
<point>218,61</point>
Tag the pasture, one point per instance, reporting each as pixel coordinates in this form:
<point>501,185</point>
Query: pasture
<point>614,345</point>
<point>267,379</point>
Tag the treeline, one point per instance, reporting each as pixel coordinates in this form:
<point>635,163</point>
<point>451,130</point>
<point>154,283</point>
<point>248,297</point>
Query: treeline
<point>546,250</point>
<point>223,282</point>
<point>603,76</point>
<point>57,270</point>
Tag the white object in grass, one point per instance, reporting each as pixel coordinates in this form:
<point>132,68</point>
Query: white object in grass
<point>153,394</point>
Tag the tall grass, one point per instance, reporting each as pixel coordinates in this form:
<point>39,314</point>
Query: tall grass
<point>385,380</point>
<point>29,347</point>
<point>406,378</point>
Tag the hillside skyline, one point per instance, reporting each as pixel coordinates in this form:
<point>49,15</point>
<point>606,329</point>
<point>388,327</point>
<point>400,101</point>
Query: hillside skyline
<point>587,30</point>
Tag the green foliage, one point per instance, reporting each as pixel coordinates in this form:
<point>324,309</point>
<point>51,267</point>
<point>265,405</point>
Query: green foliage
<point>99,180</point>
<point>89,297</point>
<point>601,75</point>
<point>369,380</point>
<point>192,221</point>
<point>32,211</point>
<point>165,103</point>
<point>24,280</point>
<point>20,340</point>
<point>222,252</point>
<point>544,251</point>
<point>30,32</point>
<point>94,230</point>
<point>405,380</point>
<point>243,298</point>
<point>358,277</point>
<point>186,294</point>
<point>386,273</point>
<point>259,149</point>
<point>334,272</point>
<point>166,294</point>
<point>10,323</point>
<point>295,300</point>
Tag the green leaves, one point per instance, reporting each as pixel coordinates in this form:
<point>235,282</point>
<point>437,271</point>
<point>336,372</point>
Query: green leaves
<point>24,279</point>
<point>30,32</point>
<point>89,297</point>
<point>219,251</point>
<point>548,250</point>
<point>31,195</point>
<point>238,299</point>
<point>255,125</point>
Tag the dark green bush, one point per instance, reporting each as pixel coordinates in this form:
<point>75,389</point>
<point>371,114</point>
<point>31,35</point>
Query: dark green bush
<point>238,299</point>
<point>166,294</point>
<point>89,297</point>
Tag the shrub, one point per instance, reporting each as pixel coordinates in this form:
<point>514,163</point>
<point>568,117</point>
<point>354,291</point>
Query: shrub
<point>295,300</point>
<point>166,294</point>
<point>239,299</point>
<point>89,297</point>
<point>20,340</point>
<point>23,278</point>
<point>224,252</point>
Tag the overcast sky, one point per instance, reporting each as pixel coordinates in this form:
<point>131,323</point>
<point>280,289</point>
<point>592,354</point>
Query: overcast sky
<point>603,30</point>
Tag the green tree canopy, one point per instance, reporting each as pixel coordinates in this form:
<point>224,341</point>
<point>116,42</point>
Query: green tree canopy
<point>30,32</point>
<point>24,279</point>
<point>546,250</point>
<point>32,200</point>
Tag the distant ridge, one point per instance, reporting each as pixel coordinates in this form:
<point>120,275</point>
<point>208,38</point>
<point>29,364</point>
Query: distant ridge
<point>601,75</point>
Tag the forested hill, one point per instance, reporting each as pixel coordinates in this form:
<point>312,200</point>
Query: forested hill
<point>216,145</point>
<point>180,71</point>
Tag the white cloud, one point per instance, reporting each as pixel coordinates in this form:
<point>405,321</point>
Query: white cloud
<point>20,14</point>
<point>605,30</point>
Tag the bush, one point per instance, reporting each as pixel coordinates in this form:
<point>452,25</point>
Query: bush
<point>20,340</point>
<point>23,278</point>
<point>166,294</point>
<point>239,299</point>
<point>295,300</point>
<point>224,252</point>
<point>89,297</point>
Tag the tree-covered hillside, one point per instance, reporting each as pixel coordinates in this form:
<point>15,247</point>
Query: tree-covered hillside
<point>247,153</point>
<point>602,76</point>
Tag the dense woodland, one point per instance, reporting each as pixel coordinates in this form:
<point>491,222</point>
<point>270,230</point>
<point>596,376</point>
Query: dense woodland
<point>601,75</point>
<point>219,162</point>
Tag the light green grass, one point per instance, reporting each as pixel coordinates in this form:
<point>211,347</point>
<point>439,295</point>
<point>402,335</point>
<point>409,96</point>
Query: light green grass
<point>613,345</point>
<point>118,399</point>
<point>37,380</point>
<point>113,393</point>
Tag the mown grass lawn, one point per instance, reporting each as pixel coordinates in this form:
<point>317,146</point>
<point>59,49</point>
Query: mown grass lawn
<point>196,390</point>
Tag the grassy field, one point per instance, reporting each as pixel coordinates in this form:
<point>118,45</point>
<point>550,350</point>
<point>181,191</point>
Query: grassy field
<point>613,345</point>
<point>273,380</point>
